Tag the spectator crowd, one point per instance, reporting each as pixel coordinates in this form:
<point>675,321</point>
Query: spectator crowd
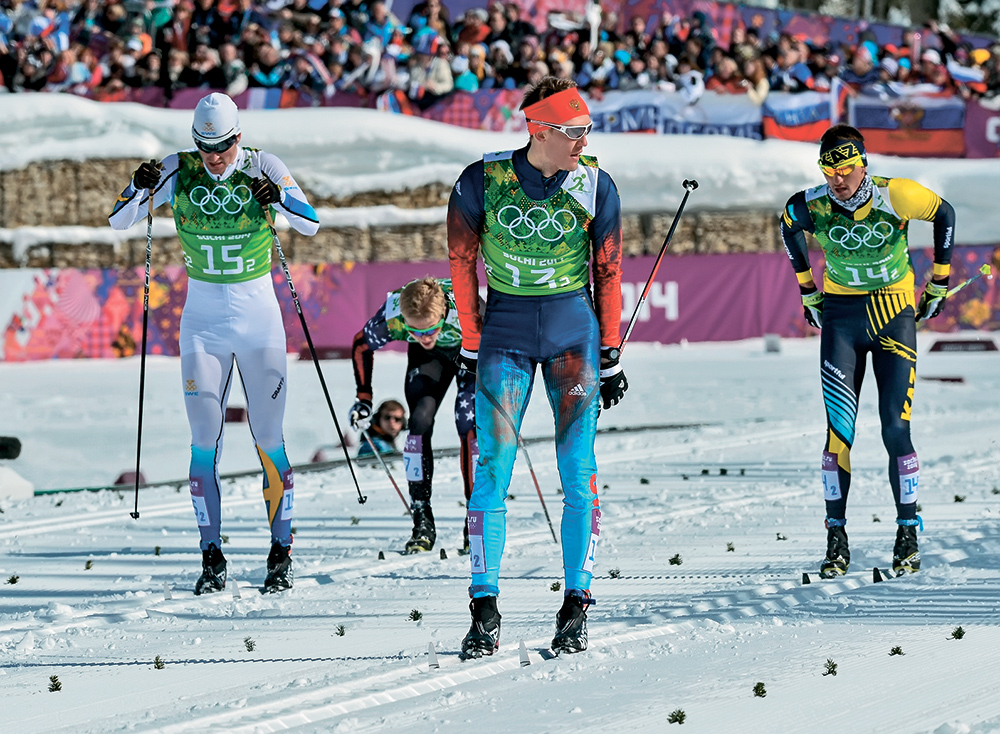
<point>100,48</point>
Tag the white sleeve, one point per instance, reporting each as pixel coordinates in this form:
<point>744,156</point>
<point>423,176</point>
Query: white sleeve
<point>299,213</point>
<point>132,204</point>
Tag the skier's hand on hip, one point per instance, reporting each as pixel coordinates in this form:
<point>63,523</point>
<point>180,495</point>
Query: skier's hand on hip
<point>361,412</point>
<point>467,363</point>
<point>812,306</point>
<point>613,380</point>
<point>932,299</point>
<point>147,175</point>
<point>265,191</point>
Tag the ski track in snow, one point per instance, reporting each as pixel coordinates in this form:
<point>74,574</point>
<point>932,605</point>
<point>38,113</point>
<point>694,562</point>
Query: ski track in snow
<point>695,636</point>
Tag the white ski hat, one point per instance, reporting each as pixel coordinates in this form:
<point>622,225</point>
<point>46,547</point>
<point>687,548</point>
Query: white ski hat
<point>215,119</point>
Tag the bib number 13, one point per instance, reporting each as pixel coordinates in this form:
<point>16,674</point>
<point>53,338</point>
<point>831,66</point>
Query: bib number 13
<point>542,277</point>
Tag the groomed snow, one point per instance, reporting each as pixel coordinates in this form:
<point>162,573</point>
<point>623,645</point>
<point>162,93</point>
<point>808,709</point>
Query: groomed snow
<point>89,606</point>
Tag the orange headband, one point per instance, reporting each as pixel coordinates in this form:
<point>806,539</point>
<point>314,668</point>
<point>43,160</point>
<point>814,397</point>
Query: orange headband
<point>557,109</point>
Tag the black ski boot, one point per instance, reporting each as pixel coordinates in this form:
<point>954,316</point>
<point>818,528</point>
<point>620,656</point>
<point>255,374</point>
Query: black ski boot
<point>571,623</point>
<point>484,635</point>
<point>838,555</point>
<point>279,568</point>
<point>424,533</point>
<point>213,571</point>
<point>905,555</point>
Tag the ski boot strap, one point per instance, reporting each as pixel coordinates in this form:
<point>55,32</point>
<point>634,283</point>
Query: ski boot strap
<point>919,521</point>
<point>584,594</point>
<point>832,522</point>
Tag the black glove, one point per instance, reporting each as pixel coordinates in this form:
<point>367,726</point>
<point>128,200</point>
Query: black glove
<point>932,300</point>
<point>147,175</point>
<point>467,362</point>
<point>812,307</point>
<point>265,191</point>
<point>613,380</point>
<point>361,411</point>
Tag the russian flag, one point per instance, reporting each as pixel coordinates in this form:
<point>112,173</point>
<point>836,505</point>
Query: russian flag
<point>804,116</point>
<point>932,127</point>
<point>965,74</point>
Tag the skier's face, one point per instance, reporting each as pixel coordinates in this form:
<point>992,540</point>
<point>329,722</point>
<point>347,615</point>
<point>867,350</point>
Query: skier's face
<point>425,331</point>
<point>559,152</point>
<point>217,163</point>
<point>845,184</point>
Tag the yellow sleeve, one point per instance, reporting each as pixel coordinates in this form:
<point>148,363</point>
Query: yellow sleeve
<point>911,200</point>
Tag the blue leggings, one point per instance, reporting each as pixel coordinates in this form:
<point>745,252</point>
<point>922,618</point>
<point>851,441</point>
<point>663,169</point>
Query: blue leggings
<point>560,333</point>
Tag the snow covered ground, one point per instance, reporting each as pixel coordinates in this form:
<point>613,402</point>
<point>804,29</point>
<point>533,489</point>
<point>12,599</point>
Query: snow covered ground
<point>340,651</point>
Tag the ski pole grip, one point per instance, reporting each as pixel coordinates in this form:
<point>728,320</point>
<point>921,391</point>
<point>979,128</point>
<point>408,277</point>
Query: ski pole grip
<point>690,184</point>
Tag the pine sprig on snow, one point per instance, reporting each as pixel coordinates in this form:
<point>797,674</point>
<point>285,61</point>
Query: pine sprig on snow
<point>831,667</point>
<point>677,716</point>
<point>54,684</point>
<point>759,691</point>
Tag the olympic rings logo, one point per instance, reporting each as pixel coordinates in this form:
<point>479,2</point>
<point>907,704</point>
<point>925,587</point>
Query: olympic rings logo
<point>536,221</point>
<point>220,199</point>
<point>873,237</point>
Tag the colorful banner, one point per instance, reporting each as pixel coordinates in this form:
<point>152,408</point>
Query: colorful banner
<point>910,125</point>
<point>673,113</point>
<point>976,306</point>
<point>256,98</point>
<point>982,130</point>
<point>72,314</point>
<point>494,110</point>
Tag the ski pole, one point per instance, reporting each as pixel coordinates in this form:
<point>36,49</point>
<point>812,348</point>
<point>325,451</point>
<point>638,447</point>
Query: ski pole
<point>689,186</point>
<point>984,270</point>
<point>378,455</point>
<point>312,351</point>
<point>142,359</point>
<point>538,489</point>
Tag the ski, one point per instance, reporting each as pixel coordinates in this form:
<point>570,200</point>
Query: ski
<point>879,574</point>
<point>807,577</point>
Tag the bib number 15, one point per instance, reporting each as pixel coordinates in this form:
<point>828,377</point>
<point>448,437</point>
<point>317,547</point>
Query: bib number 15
<point>229,257</point>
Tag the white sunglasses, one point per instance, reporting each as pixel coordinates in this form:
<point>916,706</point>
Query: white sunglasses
<point>573,132</point>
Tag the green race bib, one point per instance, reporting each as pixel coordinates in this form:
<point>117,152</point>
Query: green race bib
<point>534,248</point>
<point>221,226</point>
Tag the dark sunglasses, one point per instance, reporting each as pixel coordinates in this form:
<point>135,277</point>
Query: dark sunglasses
<point>573,132</point>
<point>220,147</point>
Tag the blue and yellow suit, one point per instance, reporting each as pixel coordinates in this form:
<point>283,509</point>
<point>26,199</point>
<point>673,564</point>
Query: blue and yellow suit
<point>868,308</point>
